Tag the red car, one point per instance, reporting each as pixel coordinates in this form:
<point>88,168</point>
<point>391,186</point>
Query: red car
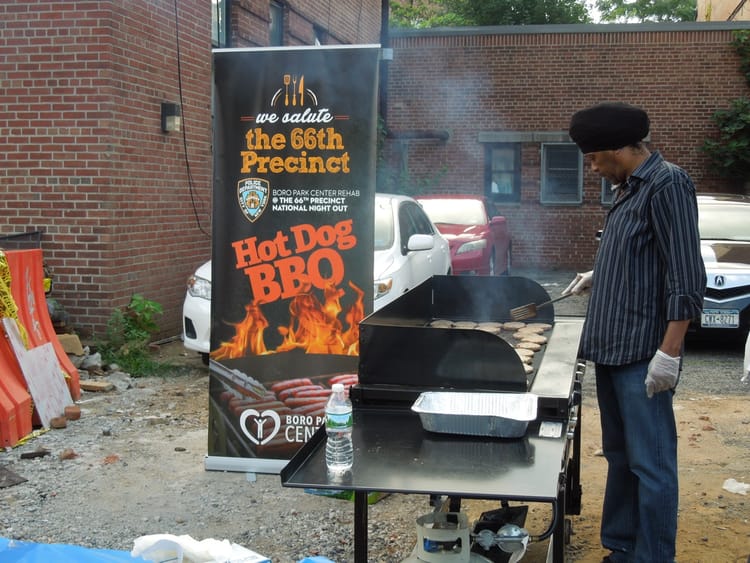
<point>478,237</point>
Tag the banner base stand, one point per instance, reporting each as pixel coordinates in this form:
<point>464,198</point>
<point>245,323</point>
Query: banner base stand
<point>244,465</point>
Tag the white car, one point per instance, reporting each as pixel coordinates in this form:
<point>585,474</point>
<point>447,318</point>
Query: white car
<point>408,250</point>
<point>196,312</point>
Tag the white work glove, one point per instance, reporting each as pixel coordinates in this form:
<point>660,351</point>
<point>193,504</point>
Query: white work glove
<point>662,373</point>
<point>746,363</point>
<point>582,283</point>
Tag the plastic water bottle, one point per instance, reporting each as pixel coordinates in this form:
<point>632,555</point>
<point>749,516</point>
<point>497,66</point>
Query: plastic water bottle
<point>339,449</point>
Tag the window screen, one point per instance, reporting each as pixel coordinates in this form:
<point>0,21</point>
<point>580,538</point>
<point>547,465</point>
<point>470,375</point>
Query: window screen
<point>608,196</point>
<point>219,36</point>
<point>562,173</point>
<point>276,31</point>
<point>503,172</point>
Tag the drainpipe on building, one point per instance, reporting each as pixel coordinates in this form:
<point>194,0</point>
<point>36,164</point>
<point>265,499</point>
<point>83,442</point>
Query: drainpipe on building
<point>402,137</point>
<point>385,43</point>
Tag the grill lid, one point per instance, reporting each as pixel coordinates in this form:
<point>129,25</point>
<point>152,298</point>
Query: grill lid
<point>399,346</point>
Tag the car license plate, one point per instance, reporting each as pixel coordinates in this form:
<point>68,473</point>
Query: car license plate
<point>720,318</point>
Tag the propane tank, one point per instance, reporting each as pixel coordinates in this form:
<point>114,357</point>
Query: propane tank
<point>443,537</point>
<point>473,558</point>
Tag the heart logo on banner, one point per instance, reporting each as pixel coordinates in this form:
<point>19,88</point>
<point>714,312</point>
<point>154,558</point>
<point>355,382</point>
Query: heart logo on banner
<point>261,419</point>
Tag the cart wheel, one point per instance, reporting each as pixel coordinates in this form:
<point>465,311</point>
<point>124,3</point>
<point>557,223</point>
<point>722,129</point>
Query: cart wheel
<point>568,531</point>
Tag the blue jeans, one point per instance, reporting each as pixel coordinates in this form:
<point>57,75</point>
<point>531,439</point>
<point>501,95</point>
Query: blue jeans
<point>639,439</point>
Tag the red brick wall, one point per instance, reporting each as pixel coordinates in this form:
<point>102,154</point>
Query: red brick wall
<point>250,22</point>
<point>83,155</point>
<point>124,207</point>
<point>346,22</point>
<point>524,81</point>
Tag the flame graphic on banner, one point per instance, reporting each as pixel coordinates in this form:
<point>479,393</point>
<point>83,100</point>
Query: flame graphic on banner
<point>313,327</point>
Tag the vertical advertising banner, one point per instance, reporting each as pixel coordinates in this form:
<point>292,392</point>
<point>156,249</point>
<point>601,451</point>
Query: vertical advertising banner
<point>292,274</point>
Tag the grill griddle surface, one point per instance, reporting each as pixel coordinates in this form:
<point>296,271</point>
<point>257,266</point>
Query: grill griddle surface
<point>393,453</point>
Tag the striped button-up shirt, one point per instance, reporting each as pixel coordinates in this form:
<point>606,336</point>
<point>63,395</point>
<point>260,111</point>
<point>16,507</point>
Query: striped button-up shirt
<point>648,270</point>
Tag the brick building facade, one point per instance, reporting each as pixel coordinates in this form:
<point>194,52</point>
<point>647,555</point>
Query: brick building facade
<point>470,91</point>
<point>124,207</point>
<point>330,22</point>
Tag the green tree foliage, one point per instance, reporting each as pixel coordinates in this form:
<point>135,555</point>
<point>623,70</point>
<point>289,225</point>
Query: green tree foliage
<point>519,12</point>
<point>632,11</point>
<point>741,44</point>
<point>451,13</point>
<point>415,13</point>
<point>730,150</point>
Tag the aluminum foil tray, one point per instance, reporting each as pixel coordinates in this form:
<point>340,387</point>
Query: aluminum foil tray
<point>500,415</point>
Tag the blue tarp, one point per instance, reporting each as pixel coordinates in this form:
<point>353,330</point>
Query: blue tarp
<point>14,551</point>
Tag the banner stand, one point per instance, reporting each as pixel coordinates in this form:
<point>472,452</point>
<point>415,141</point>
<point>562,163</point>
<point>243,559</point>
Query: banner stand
<point>295,143</point>
<point>250,466</point>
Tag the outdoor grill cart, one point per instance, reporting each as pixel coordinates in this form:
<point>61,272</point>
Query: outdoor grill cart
<point>454,334</point>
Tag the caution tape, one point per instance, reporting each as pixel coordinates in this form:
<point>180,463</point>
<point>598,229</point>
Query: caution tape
<point>35,434</point>
<point>8,307</point>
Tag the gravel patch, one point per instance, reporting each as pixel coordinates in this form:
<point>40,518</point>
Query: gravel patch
<point>133,465</point>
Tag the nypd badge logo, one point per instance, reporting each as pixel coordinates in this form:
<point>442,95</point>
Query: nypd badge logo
<point>252,195</point>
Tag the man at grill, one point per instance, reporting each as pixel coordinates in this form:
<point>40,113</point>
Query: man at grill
<point>647,283</point>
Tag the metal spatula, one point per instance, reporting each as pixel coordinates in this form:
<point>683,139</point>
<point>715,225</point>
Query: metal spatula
<point>529,311</point>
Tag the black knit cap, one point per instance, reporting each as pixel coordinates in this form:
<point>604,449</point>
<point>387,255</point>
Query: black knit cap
<point>608,126</point>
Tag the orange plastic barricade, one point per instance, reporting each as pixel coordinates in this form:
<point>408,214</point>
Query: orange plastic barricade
<point>16,412</point>
<point>8,425</point>
<point>15,401</point>
<point>42,372</point>
<point>27,274</point>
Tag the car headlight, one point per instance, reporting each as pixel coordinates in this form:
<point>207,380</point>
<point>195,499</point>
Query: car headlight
<point>472,246</point>
<point>199,287</point>
<point>383,286</point>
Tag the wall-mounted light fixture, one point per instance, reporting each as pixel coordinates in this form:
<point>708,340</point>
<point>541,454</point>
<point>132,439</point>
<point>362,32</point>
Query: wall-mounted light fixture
<point>170,117</point>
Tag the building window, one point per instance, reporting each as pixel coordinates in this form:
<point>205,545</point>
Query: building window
<point>319,35</point>
<point>608,194</point>
<point>562,173</point>
<point>503,172</point>
<point>276,31</point>
<point>219,21</point>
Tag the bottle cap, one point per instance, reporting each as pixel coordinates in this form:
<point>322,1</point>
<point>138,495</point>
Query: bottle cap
<point>338,387</point>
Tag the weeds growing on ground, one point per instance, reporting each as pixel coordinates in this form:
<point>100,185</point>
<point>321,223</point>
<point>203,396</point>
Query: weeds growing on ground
<point>128,335</point>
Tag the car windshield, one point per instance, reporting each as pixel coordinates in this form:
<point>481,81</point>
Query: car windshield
<point>455,211</point>
<point>724,221</point>
<point>383,225</point>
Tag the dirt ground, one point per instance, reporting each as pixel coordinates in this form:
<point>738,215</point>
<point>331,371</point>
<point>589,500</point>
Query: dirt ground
<point>714,445</point>
<point>159,435</point>
<point>714,524</point>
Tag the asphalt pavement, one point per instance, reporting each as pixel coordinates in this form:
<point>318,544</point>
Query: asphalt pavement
<point>554,282</point>
<point>712,364</point>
